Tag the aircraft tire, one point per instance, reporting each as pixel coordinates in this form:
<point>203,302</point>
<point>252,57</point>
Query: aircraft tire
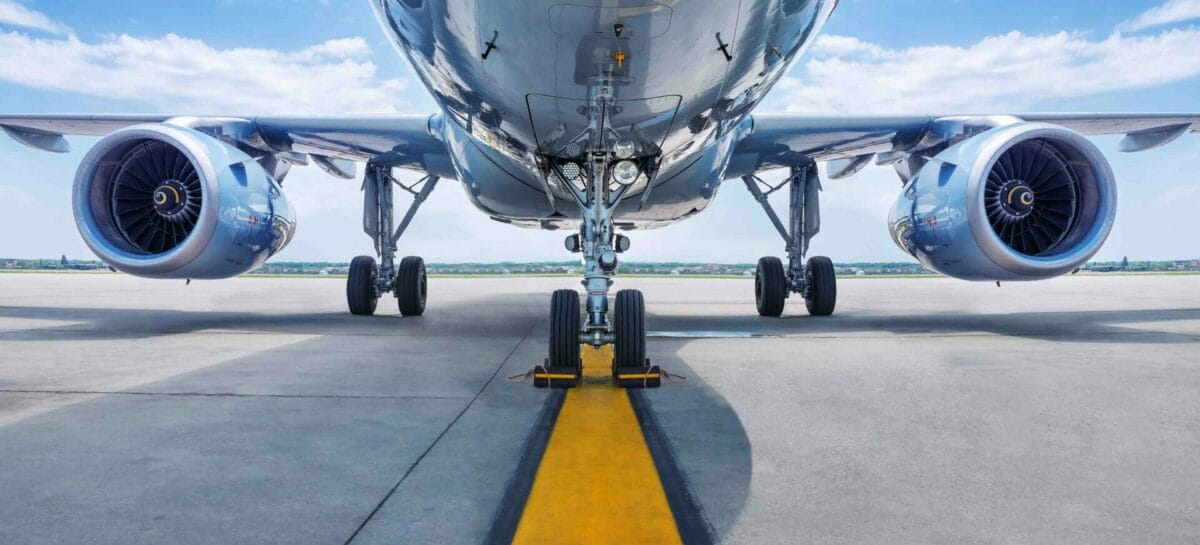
<point>411,286</point>
<point>770,287</point>
<point>629,329</point>
<point>822,286</point>
<point>360,286</point>
<point>564,329</point>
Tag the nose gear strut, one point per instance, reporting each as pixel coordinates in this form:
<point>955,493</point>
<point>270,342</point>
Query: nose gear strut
<point>599,246</point>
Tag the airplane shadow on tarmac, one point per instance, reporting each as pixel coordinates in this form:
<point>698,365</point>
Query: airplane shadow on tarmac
<point>1108,326</point>
<point>1083,326</point>
<point>711,446</point>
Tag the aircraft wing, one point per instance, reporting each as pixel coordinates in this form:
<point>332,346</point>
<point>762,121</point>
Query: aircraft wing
<point>397,140</point>
<point>850,143</point>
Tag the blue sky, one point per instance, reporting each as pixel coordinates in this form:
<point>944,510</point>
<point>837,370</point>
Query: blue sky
<point>329,57</point>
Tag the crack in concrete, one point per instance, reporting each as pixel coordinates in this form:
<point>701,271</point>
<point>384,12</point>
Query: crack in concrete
<point>225,394</point>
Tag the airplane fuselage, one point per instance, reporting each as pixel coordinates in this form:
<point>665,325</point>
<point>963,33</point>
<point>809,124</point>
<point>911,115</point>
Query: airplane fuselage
<point>514,80</point>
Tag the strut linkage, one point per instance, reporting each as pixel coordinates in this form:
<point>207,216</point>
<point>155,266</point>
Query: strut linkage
<point>378,217</point>
<point>597,202</point>
<point>804,216</point>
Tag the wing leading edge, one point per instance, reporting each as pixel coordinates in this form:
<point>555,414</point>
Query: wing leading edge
<point>850,143</point>
<point>404,141</point>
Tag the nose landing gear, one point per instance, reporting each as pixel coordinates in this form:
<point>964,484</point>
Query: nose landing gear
<point>572,326</point>
<point>564,366</point>
<point>608,164</point>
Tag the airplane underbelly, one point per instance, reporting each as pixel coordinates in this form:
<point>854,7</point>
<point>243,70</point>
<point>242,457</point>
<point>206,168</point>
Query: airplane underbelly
<point>500,189</point>
<point>517,83</point>
<point>509,201</point>
<point>496,70</point>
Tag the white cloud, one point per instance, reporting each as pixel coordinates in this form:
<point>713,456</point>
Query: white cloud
<point>1174,11</point>
<point>842,74</point>
<point>12,13</point>
<point>1178,194</point>
<point>188,76</point>
<point>1000,73</point>
<point>17,197</point>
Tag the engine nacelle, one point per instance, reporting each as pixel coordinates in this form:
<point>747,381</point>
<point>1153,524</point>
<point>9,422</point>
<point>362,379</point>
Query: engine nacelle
<point>163,201</point>
<point>1026,201</point>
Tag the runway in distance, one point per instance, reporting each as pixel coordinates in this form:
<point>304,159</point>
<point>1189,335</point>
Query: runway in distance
<point>581,117</point>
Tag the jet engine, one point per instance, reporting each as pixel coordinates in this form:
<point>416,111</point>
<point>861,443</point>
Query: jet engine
<point>1025,201</point>
<point>164,201</point>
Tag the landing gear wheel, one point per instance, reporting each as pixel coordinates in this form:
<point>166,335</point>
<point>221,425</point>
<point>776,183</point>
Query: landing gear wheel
<point>360,286</point>
<point>629,330</point>
<point>770,287</point>
<point>564,330</point>
<point>411,286</point>
<point>821,280</point>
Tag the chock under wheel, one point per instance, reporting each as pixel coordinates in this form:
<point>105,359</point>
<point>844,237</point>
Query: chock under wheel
<point>545,376</point>
<point>648,376</point>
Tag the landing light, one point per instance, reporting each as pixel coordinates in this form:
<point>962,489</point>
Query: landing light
<point>571,171</point>
<point>626,172</point>
<point>624,149</point>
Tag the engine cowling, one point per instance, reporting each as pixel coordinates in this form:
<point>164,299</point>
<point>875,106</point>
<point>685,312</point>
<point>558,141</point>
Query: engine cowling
<point>1025,201</point>
<point>163,201</point>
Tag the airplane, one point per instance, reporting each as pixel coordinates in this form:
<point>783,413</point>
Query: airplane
<point>599,118</point>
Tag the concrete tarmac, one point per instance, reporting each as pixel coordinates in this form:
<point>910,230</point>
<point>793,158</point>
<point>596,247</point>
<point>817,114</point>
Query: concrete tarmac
<point>258,410</point>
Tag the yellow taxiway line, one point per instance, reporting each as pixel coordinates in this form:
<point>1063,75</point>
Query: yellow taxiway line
<point>597,482</point>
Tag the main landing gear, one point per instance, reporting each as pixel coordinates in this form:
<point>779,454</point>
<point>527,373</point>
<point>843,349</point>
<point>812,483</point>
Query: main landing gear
<point>815,279</point>
<point>369,280</point>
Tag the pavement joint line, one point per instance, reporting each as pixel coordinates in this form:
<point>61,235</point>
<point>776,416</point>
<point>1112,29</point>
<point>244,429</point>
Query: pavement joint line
<point>438,439</point>
<point>127,332</point>
<point>223,394</point>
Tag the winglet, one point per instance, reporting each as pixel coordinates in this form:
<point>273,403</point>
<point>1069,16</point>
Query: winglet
<point>44,141</point>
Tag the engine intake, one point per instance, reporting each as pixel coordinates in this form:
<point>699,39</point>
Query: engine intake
<point>164,201</point>
<point>1021,202</point>
<point>156,197</point>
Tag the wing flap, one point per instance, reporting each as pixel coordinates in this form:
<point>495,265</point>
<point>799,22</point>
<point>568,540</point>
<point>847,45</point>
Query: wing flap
<point>1153,138</point>
<point>39,140</point>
